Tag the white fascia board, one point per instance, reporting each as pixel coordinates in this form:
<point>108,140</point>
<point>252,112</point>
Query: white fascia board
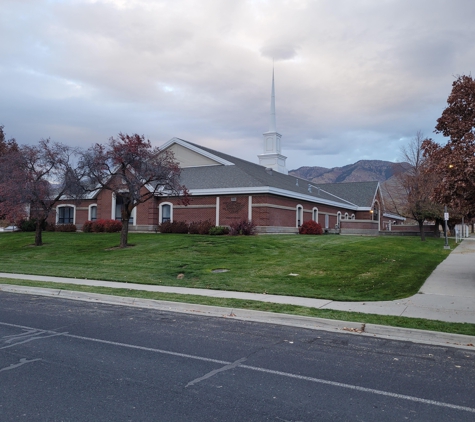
<point>92,195</point>
<point>381,195</point>
<point>197,150</point>
<point>269,190</point>
<point>149,187</point>
<point>395,216</point>
<point>89,195</point>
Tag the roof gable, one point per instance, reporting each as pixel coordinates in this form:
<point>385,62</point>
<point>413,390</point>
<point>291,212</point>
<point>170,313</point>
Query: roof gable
<point>191,155</point>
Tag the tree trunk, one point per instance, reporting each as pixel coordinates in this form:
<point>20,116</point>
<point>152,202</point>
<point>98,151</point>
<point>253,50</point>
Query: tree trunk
<point>39,233</point>
<point>421,230</point>
<point>124,233</point>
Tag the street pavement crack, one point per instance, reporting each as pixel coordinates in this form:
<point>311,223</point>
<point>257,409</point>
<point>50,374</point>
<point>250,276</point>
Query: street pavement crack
<point>216,371</point>
<point>21,363</point>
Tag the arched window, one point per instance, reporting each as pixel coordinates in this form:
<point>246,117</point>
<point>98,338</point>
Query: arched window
<point>338,218</point>
<point>117,204</point>
<point>299,215</point>
<point>92,214</point>
<point>165,212</point>
<point>353,216</point>
<point>65,214</point>
<point>346,216</point>
<point>315,214</point>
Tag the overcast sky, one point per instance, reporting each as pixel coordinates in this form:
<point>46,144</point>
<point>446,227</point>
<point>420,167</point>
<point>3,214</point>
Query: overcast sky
<point>355,79</point>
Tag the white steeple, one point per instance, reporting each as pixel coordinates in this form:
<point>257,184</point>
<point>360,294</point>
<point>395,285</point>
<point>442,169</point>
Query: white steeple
<point>272,125</point>
<point>271,156</point>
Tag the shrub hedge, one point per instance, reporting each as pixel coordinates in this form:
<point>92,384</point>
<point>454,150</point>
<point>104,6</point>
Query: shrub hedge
<point>243,227</point>
<point>195,227</point>
<point>200,227</point>
<point>102,226</point>
<point>61,227</point>
<point>310,227</point>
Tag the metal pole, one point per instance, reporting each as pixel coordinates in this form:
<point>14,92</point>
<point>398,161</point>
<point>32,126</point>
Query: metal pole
<point>446,217</point>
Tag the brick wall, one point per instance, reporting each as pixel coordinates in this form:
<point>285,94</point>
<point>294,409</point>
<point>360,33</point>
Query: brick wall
<point>362,227</point>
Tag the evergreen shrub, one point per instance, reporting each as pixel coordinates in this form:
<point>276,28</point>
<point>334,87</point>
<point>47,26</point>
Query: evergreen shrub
<point>29,225</point>
<point>218,230</point>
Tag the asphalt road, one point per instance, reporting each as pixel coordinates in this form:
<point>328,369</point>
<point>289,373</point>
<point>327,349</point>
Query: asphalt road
<point>77,361</point>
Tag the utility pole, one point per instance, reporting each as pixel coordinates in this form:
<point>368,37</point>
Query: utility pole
<point>446,217</point>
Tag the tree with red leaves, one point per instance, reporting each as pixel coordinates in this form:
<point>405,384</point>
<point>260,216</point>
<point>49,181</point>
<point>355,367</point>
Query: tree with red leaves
<point>134,171</point>
<point>6,146</point>
<point>455,161</point>
<point>11,208</point>
<point>51,175</point>
<point>39,176</point>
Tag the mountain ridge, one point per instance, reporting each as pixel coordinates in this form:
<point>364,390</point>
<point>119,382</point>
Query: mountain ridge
<point>361,171</point>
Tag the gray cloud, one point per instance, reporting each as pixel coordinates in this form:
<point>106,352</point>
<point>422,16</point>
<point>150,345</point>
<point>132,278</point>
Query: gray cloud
<point>279,51</point>
<point>353,79</point>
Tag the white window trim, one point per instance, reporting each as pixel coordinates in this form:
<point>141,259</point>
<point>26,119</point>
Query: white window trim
<point>298,213</point>
<point>89,211</point>
<point>160,211</point>
<point>63,206</point>
<point>315,214</point>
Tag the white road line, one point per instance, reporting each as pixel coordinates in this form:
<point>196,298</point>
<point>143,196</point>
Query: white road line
<point>258,369</point>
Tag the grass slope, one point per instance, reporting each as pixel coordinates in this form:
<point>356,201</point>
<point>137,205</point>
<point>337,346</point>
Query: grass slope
<point>234,304</point>
<point>344,268</point>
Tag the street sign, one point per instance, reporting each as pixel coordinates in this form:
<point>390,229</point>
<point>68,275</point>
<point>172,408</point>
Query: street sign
<point>446,216</point>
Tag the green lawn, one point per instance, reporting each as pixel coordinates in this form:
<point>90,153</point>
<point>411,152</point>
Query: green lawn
<point>345,268</point>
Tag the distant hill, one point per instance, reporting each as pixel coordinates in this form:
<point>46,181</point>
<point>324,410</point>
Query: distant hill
<point>361,171</point>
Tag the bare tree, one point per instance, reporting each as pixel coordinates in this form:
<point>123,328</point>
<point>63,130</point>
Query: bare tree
<point>411,193</point>
<point>39,176</point>
<point>134,171</point>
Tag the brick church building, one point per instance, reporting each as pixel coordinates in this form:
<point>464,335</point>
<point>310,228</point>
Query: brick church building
<point>225,189</point>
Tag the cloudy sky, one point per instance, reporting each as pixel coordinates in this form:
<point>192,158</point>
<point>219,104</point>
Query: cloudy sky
<point>355,79</point>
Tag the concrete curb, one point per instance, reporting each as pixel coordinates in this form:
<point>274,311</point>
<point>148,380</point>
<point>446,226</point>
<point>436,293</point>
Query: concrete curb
<point>372,330</point>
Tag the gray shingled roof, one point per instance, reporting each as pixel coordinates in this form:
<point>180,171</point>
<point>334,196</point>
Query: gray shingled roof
<point>359,193</point>
<point>244,174</point>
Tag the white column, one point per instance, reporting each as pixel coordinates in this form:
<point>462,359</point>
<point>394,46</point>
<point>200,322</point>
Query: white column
<point>249,209</point>
<point>217,211</point>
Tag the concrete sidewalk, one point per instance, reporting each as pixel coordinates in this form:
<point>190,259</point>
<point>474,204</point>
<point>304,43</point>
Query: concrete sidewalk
<point>447,295</point>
